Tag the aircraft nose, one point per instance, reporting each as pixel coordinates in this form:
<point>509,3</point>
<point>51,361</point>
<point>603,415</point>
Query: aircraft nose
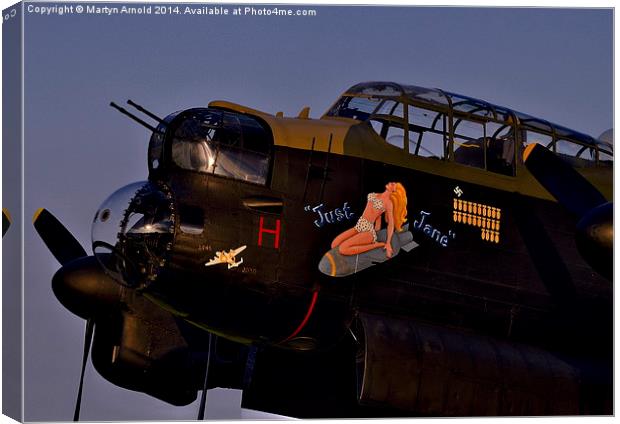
<point>83,288</point>
<point>133,231</point>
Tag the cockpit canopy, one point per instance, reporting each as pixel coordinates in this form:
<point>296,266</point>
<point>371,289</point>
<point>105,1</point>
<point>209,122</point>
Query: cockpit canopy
<point>438,124</point>
<point>219,142</point>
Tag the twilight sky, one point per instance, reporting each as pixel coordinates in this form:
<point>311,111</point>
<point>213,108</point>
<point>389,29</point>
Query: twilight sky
<point>552,63</point>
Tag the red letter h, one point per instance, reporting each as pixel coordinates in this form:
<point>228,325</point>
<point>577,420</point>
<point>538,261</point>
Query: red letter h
<point>276,232</point>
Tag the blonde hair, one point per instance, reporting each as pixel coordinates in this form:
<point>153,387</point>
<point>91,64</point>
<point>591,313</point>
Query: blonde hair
<point>399,206</point>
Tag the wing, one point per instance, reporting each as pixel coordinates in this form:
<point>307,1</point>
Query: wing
<point>216,260</point>
<point>238,250</point>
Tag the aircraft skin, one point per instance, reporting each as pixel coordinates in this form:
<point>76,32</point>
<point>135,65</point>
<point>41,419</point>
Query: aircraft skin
<point>466,271</point>
<point>494,282</point>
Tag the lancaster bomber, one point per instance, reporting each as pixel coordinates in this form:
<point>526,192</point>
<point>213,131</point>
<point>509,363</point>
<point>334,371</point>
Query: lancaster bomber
<point>413,252</point>
<point>229,258</point>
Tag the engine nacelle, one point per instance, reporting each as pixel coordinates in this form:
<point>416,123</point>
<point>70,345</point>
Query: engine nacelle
<point>146,349</point>
<point>149,356</point>
<point>432,371</point>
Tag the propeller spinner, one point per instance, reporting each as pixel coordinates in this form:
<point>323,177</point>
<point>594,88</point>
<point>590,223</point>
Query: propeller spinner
<point>67,250</point>
<point>92,292</point>
<point>80,285</point>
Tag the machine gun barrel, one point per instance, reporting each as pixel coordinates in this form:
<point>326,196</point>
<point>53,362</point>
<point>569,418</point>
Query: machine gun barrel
<point>146,112</point>
<point>135,118</point>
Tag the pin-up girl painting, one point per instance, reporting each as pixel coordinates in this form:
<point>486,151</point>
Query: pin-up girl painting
<point>363,237</point>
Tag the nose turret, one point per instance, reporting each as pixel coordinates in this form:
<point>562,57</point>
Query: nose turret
<point>133,232</point>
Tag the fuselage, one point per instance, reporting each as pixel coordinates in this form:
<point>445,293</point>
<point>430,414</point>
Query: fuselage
<point>495,252</point>
<point>412,252</point>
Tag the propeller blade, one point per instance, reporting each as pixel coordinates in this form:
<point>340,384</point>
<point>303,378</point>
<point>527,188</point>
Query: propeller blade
<point>56,237</point>
<point>560,179</point>
<point>6,221</point>
<point>88,336</point>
